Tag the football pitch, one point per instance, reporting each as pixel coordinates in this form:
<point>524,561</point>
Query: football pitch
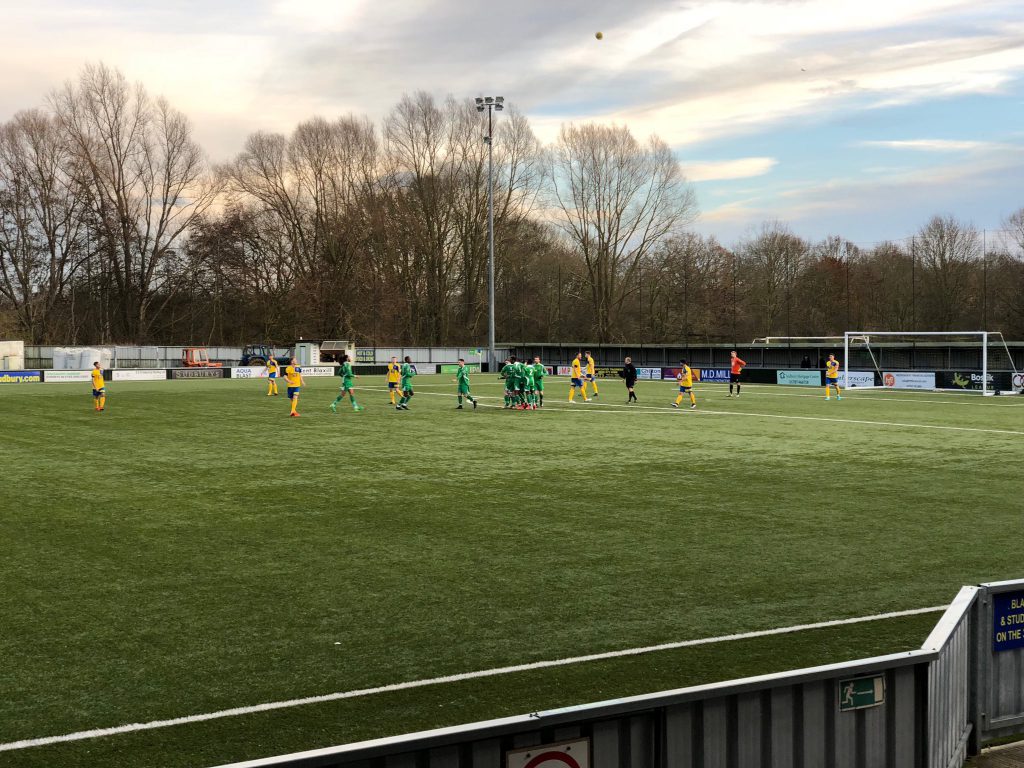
<point>193,550</point>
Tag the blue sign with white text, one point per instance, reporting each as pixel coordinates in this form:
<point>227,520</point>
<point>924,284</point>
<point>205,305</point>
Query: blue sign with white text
<point>1007,621</point>
<point>21,377</point>
<point>715,374</point>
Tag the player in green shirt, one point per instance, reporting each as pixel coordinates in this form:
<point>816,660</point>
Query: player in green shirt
<point>530,399</point>
<point>347,386</point>
<point>539,372</point>
<point>508,374</point>
<point>408,371</point>
<point>462,379</point>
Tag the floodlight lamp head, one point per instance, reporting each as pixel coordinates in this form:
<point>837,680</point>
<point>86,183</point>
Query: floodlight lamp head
<point>499,99</point>
<point>479,100</point>
<point>499,107</point>
<point>489,99</point>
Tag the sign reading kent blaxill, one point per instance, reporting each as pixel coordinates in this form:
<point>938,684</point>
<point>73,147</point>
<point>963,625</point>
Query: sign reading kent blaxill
<point>861,692</point>
<point>1007,621</point>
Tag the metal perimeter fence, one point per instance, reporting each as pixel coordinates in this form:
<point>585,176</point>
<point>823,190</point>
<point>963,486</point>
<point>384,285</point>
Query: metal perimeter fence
<point>928,708</point>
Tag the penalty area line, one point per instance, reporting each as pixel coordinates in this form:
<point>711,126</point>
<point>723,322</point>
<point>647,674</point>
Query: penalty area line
<point>456,678</point>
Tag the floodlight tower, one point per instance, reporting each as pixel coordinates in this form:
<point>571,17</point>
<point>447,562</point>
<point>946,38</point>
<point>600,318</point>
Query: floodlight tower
<point>492,104</point>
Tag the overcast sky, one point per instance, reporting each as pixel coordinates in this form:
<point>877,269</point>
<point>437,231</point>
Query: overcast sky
<point>857,119</point>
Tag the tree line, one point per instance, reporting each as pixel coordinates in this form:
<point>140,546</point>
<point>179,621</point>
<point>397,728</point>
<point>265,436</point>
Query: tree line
<point>114,228</point>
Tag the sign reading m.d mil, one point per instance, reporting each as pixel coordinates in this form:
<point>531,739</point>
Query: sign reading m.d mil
<point>861,692</point>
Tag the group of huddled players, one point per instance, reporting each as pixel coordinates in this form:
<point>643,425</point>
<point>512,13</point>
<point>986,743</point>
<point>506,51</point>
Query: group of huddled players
<point>524,383</point>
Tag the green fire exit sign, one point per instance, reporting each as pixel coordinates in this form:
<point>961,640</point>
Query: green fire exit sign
<point>861,692</point>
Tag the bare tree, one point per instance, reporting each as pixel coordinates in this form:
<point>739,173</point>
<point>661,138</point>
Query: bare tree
<point>40,220</point>
<point>771,260</point>
<point>948,251</point>
<point>617,199</point>
<point>146,179</point>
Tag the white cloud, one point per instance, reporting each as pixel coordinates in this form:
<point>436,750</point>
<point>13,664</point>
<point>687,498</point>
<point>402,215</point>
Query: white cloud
<point>720,170</point>
<point>929,145</point>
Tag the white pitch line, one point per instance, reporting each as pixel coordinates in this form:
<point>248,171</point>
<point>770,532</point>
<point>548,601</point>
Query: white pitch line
<point>647,410</point>
<point>361,692</point>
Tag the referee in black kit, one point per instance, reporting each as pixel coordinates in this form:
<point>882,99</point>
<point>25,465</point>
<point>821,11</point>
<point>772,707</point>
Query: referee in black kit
<point>628,374</point>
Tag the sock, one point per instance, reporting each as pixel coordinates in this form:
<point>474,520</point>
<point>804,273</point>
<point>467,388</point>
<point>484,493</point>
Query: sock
<point>730,389</point>
<point>460,399</point>
<point>572,393</point>
<point>338,399</point>
<point>737,389</point>
<point>838,393</point>
<point>103,402</point>
<point>693,399</point>
<point>392,393</point>
<point>584,390</point>
<point>679,399</point>
<point>295,404</point>
<point>595,386</point>
<point>541,396</point>
<point>828,391</point>
<point>353,399</point>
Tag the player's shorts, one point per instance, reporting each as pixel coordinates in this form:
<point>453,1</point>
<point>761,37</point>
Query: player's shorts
<point>540,386</point>
<point>99,392</point>
<point>589,377</point>
<point>346,385</point>
<point>407,389</point>
<point>832,382</point>
<point>734,378</point>
<point>392,385</point>
<point>685,389</point>
<point>463,390</point>
<point>272,375</point>
<point>293,392</point>
<point>576,382</point>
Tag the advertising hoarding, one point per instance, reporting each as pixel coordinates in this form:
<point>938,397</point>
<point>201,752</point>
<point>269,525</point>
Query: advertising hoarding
<point>909,379</point>
<point>138,374</point>
<point>799,378</point>
<point>77,377</point>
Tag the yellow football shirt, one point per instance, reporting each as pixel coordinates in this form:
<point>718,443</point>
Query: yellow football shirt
<point>685,376</point>
<point>394,373</point>
<point>293,374</point>
<point>576,370</point>
<point>97,378</point>
<point>832,369</point>
<point>590,365</point>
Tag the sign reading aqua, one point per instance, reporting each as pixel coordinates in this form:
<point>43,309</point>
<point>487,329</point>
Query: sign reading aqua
<point>21,377</point>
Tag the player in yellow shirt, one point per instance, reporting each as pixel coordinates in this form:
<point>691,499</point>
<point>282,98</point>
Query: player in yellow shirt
<point>576,379</point>
<point>685,379</point>
<point>293,376</point>
<point>272,371</point>
<point>832,377</point>
<point>589,377</point>
<point>99,391</point>
<point>394,376</point>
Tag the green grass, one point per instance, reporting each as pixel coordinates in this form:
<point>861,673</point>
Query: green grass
<point>193,549</point>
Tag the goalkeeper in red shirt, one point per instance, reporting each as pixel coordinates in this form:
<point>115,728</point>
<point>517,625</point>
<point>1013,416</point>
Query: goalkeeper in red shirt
<point>735,369</point>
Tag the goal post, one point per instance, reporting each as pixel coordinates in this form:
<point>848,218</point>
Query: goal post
<point>984,338</point>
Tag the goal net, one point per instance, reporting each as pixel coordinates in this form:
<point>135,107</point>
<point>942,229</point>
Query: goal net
<point>966,361</point>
